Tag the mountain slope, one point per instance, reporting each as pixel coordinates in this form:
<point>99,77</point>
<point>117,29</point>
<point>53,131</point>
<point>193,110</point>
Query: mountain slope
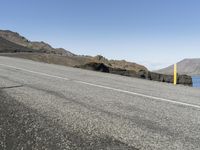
<point>187,66</point>
<point>13,42</point>
<point>42,46</point>
<point>10,47</point>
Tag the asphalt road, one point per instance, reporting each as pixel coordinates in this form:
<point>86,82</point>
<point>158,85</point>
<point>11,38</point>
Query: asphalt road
<point>45,106</point>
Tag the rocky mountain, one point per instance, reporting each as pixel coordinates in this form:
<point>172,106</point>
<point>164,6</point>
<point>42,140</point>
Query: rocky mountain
<point>16,38</point>
<point>187,66</point>
<point>119,64</point>
<point>10,47</point>
<point>13,44</point>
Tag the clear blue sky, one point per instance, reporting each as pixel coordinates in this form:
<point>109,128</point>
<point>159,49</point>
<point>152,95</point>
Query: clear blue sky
<point>155,33</point>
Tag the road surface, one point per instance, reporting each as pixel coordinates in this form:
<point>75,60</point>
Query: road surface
<point>46,106</point>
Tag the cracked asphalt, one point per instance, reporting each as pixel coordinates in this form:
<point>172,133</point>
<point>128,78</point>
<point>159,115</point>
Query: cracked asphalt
<point>45,106</point>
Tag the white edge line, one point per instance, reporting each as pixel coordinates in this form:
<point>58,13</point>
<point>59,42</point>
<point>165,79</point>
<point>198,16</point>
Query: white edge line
<point>141,95</point>
<point>35,72</point>
<point>109,88</point>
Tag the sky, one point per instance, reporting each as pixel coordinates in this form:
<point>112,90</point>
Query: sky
<point>155,33</point>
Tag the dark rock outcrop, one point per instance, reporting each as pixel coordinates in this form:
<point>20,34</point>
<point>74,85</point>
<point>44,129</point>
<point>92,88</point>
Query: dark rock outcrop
<point>182,79</point>
<point>95,66</point>
<point>104,68</point>
<point>160,77</point>
<point>122,64</point>
<point>142,74</point>
<point>123,72</point>
<point>185,80</point>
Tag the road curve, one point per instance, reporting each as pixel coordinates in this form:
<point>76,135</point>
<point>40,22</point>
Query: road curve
<point>46,106</point>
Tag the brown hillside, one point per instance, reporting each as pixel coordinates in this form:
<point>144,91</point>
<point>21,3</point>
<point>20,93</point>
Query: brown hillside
<point>16,38</point>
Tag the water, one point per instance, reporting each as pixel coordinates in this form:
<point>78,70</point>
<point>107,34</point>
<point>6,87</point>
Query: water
<point>196,81</point>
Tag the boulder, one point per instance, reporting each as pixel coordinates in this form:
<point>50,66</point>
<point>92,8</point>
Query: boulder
<point>185,80</point>
<point>168,78</point>
<point>123,72</point>
<point>142,74</point>
<point>154,76</point>
<point>95,66</point>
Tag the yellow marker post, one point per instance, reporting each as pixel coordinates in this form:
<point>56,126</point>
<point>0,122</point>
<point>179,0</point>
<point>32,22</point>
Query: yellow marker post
<point>175,74</point>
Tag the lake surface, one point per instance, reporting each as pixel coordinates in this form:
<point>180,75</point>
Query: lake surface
<point>196,81</point>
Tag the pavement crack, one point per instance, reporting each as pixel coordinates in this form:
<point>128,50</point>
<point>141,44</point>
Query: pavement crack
<point>11,87</point>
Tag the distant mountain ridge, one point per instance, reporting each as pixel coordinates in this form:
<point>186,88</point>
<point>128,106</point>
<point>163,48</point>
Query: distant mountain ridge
<point>187,66</point>
<point>42,46</point>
